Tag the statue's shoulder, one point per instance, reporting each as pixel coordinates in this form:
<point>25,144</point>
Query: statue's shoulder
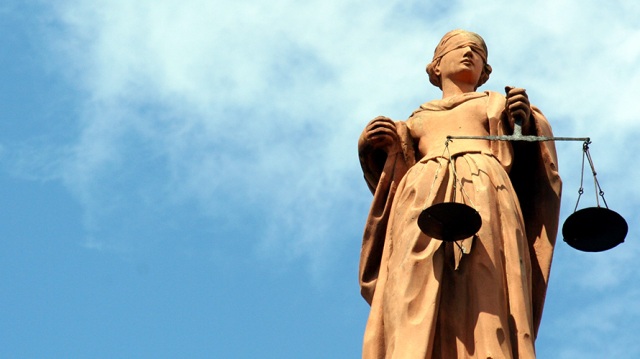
<point>495,96</point>
<point>492,93</point>
<point>495,101</point>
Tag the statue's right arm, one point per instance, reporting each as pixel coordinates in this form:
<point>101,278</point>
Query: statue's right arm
<point>377,141</point>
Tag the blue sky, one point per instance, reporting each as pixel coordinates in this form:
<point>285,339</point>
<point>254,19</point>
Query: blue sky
<point>180,178</point>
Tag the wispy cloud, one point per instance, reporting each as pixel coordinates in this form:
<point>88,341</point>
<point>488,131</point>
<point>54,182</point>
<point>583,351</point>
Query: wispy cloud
<point>246,102</point>
<point>249,112</point>
<point>598,326</point>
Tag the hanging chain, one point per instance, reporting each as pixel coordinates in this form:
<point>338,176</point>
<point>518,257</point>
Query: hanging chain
<point>456,180</point>
<point>435,178</point>
<point>596,184</point>
<point>452,166</point>
<point>585,148</point>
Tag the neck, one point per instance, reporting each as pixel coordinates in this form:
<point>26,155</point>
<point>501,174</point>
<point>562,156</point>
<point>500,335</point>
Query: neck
<point>450,88</point>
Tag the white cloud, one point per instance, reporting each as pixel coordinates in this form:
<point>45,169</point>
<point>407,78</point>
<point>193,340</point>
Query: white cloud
<point>262,103</point>
<point>250,111</point>
<point>600,327</point>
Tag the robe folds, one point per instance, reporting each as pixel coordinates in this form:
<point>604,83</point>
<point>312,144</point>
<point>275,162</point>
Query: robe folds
<point>481,297</point>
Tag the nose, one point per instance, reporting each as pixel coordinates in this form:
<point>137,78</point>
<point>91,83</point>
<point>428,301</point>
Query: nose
<point>467,50</point>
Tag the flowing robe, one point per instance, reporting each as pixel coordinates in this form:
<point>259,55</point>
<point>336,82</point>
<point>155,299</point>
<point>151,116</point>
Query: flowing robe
<point>483,297</point>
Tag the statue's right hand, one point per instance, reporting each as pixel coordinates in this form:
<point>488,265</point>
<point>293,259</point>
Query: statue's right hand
<point>381,133</point>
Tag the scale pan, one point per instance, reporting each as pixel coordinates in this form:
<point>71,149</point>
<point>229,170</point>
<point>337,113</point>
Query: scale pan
<point>594,229</point>
<point>449,221</point>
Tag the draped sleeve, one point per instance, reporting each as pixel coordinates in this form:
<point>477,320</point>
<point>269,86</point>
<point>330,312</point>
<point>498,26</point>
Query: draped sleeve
<point>382,172</point>
<point>535,178</point>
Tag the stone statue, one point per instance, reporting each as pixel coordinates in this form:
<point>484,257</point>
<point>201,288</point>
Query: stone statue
<point>481,297</point>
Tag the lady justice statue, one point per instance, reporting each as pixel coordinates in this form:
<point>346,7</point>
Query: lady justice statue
<point>479,297</point>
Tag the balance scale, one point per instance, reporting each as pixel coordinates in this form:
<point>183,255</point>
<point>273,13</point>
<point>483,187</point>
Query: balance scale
<point>591,229</point>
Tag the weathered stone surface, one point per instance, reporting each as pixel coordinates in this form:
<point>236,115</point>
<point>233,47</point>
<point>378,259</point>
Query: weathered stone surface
<point>480,297</point>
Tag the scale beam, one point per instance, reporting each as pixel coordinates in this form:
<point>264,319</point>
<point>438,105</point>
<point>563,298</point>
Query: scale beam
<point>593,229</point>
<point>520,138</point>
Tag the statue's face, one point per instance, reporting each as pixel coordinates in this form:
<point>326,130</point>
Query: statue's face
<point>463,64</point>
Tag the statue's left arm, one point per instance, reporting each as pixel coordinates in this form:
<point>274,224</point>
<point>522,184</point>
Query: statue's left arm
<point>533,169</point>
<point>383,168</point>
<point>537,182</point>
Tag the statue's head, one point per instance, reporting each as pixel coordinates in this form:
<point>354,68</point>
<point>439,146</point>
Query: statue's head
<point>454,40</point>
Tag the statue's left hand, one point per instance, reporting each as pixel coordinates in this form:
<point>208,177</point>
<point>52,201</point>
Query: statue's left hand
<point>518,106</point>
